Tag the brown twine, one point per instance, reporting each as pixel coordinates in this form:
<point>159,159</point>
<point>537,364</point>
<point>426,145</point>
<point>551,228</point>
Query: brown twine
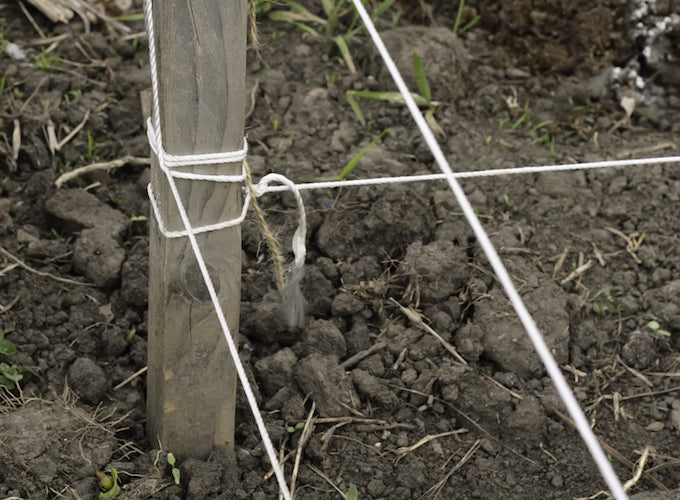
<point>272,243</point>
<point>252,15</point>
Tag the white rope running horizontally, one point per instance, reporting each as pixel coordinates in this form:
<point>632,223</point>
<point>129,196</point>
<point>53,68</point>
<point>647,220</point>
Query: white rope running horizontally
<point>551,366</point>
<point>479,173</point>
<point>233,350</point>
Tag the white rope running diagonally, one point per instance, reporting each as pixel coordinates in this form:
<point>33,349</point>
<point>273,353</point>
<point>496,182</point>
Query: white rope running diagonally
<point>148,15</point>
<point>567,396</point>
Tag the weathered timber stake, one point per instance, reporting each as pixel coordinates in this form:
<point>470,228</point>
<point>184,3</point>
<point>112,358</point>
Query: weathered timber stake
<point>191,382</point>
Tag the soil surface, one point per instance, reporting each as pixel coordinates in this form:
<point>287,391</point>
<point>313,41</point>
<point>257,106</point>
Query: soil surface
<point>595,255</point>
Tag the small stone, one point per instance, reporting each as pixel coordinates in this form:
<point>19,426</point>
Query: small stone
<point>346,304</point>
<point>373,388</point>
<point>88,380</point>
<point>516,73</point>
<point>276,371</point>
<point>323,337</point>
<point>655,426</point>
<point>98,257</point>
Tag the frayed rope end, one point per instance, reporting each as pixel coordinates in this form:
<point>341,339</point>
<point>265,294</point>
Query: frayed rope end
<point>293,303</point>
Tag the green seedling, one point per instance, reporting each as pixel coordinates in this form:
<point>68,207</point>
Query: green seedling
<point>585,108</point>
<point>109,483</point>
<point>3,83</point>
<point>7,347</point>
<point>174,470</point>
<point>341,22</point>
<point>424,99</point>
<point>130,335</point>
<point>262,7</point>
<point>92,147</point>
<point>351,165</point>
<point>525,118</point>
<point>75,94</point>
<point>609,305</point>
<point>357,158</point>
<point>352,493</point>
<point>115,201</point>
<point>10,375</point>
<point>297,427</point>
<point>47,61</point>
<point>457,29</point>
<point>656,327</point>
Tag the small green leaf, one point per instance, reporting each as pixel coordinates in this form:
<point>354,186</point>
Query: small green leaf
<point>7,347</point>
<point>175,474</point>
<point>171,459</point>
<point>421,79</point>
<point>653,325</point>
<point>354,161</point>
<point>345,53</point>
<point>352,493</point>
<point>356,108</point>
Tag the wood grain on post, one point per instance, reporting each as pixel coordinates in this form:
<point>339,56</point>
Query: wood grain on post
<point>191,382</point>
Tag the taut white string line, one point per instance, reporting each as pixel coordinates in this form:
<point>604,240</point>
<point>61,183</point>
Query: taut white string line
<point>567,396</point>
<point>479,173</point>
<point>148,15</point>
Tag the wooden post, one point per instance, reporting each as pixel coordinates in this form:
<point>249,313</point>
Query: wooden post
<point>191,382</point>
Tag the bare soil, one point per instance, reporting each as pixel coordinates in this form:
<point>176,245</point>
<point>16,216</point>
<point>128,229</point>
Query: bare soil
<point>595,255</point>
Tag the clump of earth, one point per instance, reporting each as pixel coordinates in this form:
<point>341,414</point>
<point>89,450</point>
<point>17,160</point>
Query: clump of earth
<point>594,254</point>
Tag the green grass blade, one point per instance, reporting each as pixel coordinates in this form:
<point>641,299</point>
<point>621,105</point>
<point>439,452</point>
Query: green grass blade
<point>354,161</point>
<point>299,14</point>
<point>470,24</point>
<point>459,15</point>
<point>540,125</point>
<point>381,9</point>
<point>139,16</point>
<point>421,79</point>
<point>357,109</point>
<point>345,53</point>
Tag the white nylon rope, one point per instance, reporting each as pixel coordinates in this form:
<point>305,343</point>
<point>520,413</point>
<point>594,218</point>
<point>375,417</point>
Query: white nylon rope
<point>567,396</point>
<point>148,15</point>
<point>480,173</point>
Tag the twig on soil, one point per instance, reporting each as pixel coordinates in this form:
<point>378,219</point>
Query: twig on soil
<point>327,479</point>
<point>470,420</point>
<point>23,106</point>
<point>614,453</point>
<point>560,263</point>
<point>509,391</point>
<point>417,320</point>
<point>30,17</point>
<point>4,309</point>
<point>108,165</point>
<point>577,272</point>
<point>405,450</point>
<point>16,140</point>
<point>253,92</point>
<point>635,372</point>
<point>353,360</point>
<point>42,273</point>
<point>649,149</point>
<point>131,378</point>
<point>306,433</point>
<point>639,470</point>
<point>598,255</point>
<point>633,241</point>
<point>71,135</point>
<point>435,490</point>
